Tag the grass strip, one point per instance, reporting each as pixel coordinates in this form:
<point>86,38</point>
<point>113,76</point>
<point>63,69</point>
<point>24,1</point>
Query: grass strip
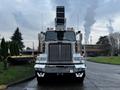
<point>106,60</point>
<point>15,73</point>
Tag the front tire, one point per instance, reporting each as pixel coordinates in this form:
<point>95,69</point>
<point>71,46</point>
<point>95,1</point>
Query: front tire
<point>40,80</point>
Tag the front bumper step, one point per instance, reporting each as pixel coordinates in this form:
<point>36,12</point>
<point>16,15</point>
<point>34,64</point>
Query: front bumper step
<point>42,74</point>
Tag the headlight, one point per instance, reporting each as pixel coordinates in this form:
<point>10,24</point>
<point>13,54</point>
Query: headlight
<point>79,59</point>
<point>43,58</point>
<point>39,67</point>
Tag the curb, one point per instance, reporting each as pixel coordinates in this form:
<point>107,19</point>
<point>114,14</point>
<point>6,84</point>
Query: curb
<point>4,87</point>
<point>21,81</point>
<point>103,63</point>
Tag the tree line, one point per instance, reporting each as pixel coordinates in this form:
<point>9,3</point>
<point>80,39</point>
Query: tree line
<point>12,47</point>
<point>112,41</point>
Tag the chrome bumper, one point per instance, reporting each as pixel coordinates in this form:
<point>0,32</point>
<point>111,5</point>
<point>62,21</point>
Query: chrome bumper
<point>60,70</point>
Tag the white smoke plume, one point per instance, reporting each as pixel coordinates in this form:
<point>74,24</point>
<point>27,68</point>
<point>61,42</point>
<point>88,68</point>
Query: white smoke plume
<point>89,19</point>
<point>111,37</point>
<point>109,26</point>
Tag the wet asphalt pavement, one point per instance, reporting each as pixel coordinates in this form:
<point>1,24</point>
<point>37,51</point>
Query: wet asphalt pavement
<point>98,77</point>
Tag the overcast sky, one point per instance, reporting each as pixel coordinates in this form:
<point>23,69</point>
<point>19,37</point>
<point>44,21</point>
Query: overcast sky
<point>33,16</point>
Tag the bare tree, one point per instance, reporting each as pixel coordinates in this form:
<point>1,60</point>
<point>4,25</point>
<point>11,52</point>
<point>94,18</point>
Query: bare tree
<point>115,43</point>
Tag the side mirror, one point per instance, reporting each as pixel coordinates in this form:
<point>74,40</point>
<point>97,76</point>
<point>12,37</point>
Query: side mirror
<point>43,33</point>
<point>78,32</point>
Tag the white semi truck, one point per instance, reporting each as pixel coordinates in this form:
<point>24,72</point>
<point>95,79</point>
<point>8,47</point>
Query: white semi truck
<point>60,56</point>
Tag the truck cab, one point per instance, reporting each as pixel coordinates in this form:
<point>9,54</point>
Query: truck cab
<point>60,56</point>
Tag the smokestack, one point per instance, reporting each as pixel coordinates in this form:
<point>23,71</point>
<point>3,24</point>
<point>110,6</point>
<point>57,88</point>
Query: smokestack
<point>40,42</point>
<point>79,43</point>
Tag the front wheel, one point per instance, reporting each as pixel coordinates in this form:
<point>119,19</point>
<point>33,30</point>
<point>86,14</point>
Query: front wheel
<point>40,80</point>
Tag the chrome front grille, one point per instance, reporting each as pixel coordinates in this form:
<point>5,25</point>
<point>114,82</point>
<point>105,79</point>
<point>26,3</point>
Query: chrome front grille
<point>60,52</point>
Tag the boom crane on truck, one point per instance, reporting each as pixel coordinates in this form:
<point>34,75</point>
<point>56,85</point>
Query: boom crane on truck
<point>60,56</point>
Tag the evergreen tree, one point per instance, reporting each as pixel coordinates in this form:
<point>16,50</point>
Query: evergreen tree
<point>4,48</point>
<point>4,52</point>
<point>14,50</point>
<point>17,40</point>
<point>0,52</point>
<point>103,40</point>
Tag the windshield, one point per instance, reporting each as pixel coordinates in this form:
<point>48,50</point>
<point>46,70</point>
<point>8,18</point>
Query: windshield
<point>60,35</point>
